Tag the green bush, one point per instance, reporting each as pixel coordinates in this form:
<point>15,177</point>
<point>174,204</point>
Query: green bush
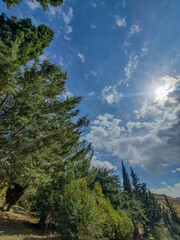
<point>86,214</point>
<point>79,216</point>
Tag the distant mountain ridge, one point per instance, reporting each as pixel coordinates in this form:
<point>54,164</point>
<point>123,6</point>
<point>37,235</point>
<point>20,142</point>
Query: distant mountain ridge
<point>161,200</point>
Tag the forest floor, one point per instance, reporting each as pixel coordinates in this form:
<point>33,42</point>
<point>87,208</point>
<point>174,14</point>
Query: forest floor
<point>19,225</point>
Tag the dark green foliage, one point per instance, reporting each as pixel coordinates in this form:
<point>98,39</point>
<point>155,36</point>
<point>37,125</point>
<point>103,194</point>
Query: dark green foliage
<point>109,182</point>
<point>126,181</point>
<point>39,136</point>
<point>31,40</point>
<point>171,220</point>
<point>135,183</point>
<point>151,208</point>
<point>43,3</point>
<point>134,210</point>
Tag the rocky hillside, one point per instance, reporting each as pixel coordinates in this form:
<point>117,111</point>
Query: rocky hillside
<point>176,202</point>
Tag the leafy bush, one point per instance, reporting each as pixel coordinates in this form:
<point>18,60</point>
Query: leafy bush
<point>86,215</point>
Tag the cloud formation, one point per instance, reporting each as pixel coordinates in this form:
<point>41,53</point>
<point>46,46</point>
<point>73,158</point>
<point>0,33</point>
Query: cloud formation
<point>67,17</point>
<point>134,29</point>
<point>176,170</point>
<point>101,164</point>
<point>120,21</point>
<point>33,5</point>
<point>94,73</point>
<point>131,65</point>
<point>93,4</point>
<point>91,93</point>
<point>110,94</point>
<point>150,140</point>
<point>92,26</point>
<point>173,191</point>
<point>81,56</point>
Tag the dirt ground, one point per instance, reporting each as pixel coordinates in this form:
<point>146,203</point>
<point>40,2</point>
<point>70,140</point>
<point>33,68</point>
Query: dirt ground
<point>18,225</point>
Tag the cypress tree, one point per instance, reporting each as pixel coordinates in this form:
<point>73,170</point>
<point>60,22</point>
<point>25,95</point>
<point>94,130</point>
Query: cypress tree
<point>126,181</point>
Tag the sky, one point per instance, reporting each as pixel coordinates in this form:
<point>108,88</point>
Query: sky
<point>123,57</point>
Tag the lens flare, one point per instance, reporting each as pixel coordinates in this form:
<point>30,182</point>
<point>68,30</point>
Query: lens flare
<point>162,93</point>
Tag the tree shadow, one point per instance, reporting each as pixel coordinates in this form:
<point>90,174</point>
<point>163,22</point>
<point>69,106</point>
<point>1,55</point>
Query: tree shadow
<point>43,238</point>
<point>11,227</point>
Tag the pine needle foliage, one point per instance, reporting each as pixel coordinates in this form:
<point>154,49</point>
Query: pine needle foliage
<point>43,3</point>
<point>39,132</point>
<point>31,40</point>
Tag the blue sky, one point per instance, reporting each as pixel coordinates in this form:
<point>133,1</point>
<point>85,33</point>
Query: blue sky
<point>123,57</point>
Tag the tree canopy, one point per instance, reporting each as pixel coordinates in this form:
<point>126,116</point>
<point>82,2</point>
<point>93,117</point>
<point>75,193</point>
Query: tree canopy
<point>30,40</point>
<point>43,3</point>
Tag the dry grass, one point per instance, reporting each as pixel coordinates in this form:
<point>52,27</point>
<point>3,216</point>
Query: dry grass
<point>18,225</point>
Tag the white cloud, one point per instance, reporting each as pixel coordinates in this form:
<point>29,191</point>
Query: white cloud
<point>93,73</point>
<point>92,26</point>
<point>172,191</point>
<point>144,50</point>
<point>93,4</point>
<point>134,29</point>
<point>91,93</point>
<point>33,5</point>
<point>69,29</point>
<point>131,65</point>
<point>120,21</point>
<point>150,140</point>
<point>67,19</point>
<point>163,183</point>
<point>81,56</point>
<point>67,38</point>
<point>101,164</point>
<point>176,170</point>
<point>110,94</point>
<point>52,10</point>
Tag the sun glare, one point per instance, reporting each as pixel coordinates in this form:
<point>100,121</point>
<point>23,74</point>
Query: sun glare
<point>162,93</point>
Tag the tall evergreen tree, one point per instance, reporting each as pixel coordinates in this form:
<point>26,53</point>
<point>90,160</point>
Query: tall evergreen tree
<point>39,134</point>
<point>135,183</point>
<point>126,181</point>
<point>109,182</point>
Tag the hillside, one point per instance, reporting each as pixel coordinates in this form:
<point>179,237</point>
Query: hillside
<point>176,202</point>
<point>18,225</point>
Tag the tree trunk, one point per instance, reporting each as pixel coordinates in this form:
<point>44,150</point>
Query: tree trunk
<point>48,222</point>
<point>136,233</point>
<point>145,231</point>
<point>14,194</point>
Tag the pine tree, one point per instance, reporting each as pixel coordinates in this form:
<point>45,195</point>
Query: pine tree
<point>31,40</point>
<point>109,182</point>
<point>39,134</point>
<point>126,181</point>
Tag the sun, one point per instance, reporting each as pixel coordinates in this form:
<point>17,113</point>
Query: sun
<point>162,93</point>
